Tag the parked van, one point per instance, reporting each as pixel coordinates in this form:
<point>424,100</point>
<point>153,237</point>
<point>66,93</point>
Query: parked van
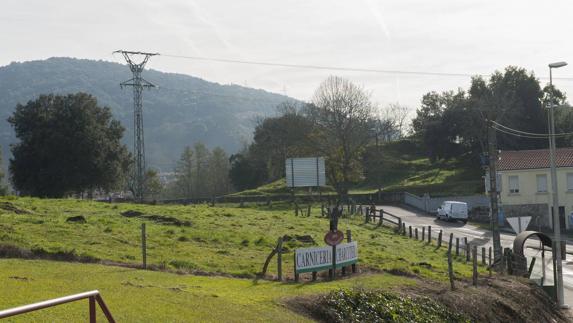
<point>452,210</point>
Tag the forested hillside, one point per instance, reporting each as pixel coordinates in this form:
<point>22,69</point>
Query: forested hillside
<point>179,112</point>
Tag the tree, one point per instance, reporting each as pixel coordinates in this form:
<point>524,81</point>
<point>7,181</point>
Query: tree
<point>68,144</point>
<point>341,112</point>
<point>219,172</point>
<point>3,189</point>
<point>153,185</point>
<point>201,174</point>
<point>184,171</point>
<point>245,172</point>
<point>281,137</point>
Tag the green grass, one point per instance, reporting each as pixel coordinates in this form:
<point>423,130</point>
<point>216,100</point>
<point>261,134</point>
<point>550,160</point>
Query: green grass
<point>221,240</point>
<point>404,167</point>
<point>147,296</point>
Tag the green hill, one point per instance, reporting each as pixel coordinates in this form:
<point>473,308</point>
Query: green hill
<point>180,111</point>
<point>403,166</point>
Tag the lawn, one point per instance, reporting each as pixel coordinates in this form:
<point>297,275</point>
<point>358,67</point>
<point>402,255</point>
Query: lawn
<point>149,296</point>
<point>216,240</point>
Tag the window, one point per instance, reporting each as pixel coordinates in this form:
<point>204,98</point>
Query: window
<point>513,184</point>
<point>570,181</point>
<point>542,183</point>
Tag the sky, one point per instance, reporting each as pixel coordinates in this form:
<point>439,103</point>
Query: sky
<point>441,36</point>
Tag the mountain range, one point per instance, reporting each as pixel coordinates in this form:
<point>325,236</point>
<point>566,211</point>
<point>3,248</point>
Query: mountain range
<point>180,111</point>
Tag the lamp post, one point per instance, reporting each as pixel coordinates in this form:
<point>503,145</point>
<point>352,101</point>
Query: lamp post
<point>555,194</point>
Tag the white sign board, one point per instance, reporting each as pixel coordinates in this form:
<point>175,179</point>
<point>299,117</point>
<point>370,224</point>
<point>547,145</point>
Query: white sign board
<point>305,172</point>
<point>519,224</point>
<point>320,258</point>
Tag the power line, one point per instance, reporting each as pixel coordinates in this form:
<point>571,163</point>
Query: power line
<point>530,134</point>
<point>336,68</point>
<point>319,67</point>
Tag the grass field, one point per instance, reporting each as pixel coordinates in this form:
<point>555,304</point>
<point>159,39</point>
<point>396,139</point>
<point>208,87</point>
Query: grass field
<point>205,259</point>
<point>219,240</point>
<point>147,296</point>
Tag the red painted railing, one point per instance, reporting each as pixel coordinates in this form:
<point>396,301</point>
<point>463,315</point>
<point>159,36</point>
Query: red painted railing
<point>93,297</point>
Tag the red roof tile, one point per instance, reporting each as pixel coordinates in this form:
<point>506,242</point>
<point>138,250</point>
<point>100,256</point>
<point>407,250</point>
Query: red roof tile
<point>533,159</point>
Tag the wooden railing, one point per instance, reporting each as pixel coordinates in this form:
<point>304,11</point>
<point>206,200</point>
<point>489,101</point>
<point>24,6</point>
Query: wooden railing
<point>93,297</point>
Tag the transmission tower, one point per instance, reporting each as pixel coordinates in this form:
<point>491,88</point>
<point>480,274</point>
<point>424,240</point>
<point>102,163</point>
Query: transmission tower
<point>138,84</point>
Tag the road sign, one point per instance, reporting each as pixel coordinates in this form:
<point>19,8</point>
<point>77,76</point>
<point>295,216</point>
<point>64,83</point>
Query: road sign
<point>332,238</point>
<point>519,224</point>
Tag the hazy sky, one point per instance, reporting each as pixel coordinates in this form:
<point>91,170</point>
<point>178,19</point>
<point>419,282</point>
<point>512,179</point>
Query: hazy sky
<point>454,36</point>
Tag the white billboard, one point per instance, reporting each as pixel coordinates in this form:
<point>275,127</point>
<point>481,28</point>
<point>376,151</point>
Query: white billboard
<point>305,172</point>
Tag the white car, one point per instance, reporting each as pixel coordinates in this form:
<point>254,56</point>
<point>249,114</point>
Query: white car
<point>452,210</point>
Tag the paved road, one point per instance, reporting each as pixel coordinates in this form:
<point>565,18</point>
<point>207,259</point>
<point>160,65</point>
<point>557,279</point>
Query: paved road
<point>482,238</point>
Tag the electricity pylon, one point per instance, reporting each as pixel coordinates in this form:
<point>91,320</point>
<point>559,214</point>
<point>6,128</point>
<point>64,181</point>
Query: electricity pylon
<point>138,84</point>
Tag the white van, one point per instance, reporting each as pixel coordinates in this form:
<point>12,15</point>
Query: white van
<point>452,210</point>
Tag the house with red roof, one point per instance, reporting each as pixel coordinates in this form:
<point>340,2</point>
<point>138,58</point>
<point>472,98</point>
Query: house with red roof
<point>526,186</point>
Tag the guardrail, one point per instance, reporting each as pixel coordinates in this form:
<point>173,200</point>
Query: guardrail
<point>93,297</point>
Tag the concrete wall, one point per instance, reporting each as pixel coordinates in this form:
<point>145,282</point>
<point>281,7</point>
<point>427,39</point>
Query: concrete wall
<point>431,204</point>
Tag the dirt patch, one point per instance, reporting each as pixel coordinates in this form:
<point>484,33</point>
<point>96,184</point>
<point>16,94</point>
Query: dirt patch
<point>303,239</point>
<point>10,207</point>
<point>76,219</point>
<point>131,214</point>
<point>160,219</point>
<point>498,299</point>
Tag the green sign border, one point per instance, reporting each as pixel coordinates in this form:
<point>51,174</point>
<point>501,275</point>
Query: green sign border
<point>325,267</point>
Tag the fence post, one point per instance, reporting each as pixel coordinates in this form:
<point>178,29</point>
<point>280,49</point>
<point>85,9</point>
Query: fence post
<point>143,246</point>
<point>280,259</point>
<point>451,241</point>
<point>429,234</point>
<point>399,224</point>
<point>410,229</point>
<point>349,239</point>
<point>489,255</point>
<point>483,256</point>
<point>440,239</point>
<point>308,212</point>
<point>475,266</point>
<point>450,270</point>
<point>294,264</point>
<point>416,231</point>
<point>381,217</point>
<point>457,247</point>
<point>403,228</point>
<point>468,251</point>
<point>423,233</point>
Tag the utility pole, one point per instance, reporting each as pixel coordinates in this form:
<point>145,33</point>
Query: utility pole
<point>138,84</point>
<point>558,270</point>
<point>493,193</point>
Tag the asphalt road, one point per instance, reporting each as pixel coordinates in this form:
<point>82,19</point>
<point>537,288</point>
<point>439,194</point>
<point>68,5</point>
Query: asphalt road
<point>482,238</point>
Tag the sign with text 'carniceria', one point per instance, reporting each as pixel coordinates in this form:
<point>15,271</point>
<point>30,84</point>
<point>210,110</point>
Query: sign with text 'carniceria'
<point>320,258</point>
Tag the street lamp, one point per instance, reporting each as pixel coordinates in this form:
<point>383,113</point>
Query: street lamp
<point>556,224</point>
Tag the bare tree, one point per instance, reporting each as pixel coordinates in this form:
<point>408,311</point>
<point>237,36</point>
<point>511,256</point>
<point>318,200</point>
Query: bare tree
<point>341,111</point>
<point>398,115</point>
